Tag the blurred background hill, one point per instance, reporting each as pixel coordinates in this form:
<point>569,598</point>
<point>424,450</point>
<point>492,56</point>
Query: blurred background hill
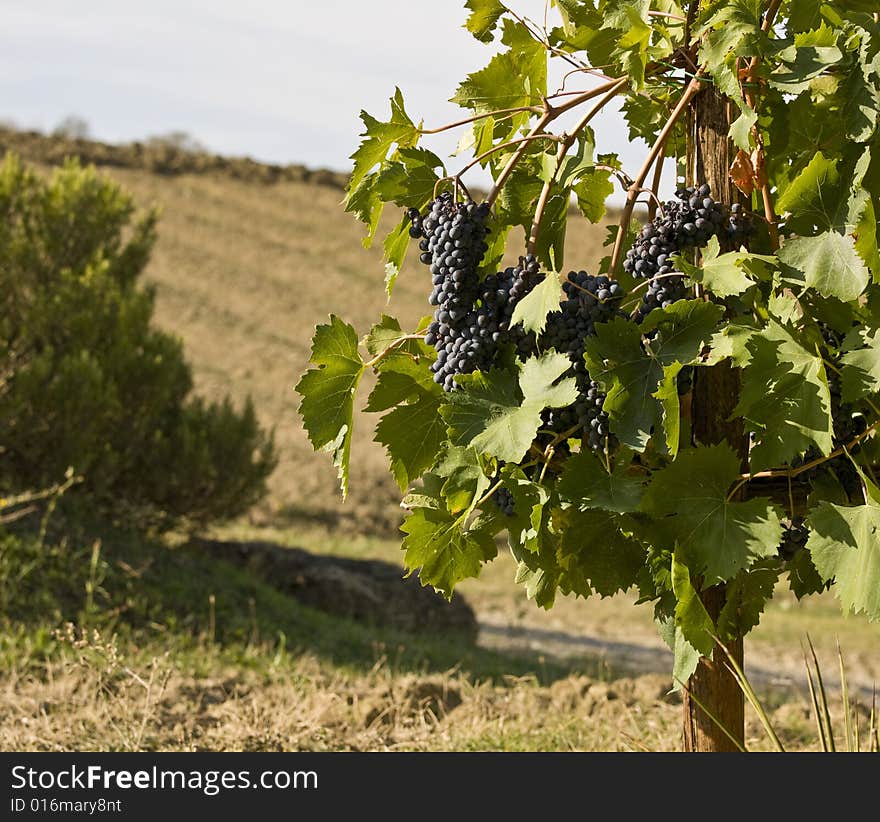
<point>250,257</point>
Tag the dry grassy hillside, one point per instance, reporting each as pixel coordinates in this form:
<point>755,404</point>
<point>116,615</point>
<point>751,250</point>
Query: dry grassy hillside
<point>243,271</point>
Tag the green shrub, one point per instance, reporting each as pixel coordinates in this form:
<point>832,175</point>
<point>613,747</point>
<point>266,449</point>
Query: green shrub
<point>85,381</point>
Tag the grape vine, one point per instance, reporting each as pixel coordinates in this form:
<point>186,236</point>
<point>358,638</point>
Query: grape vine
<point>569,410</point>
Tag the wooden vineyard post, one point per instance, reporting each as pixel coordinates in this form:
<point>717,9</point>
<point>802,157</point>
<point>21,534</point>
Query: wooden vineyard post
<point>715,394</point>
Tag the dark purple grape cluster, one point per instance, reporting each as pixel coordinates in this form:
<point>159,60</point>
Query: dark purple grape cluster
<point>688,221</point>
<point>452,240</point>
<point>472,319</point>
<point>503,498</point>
<point>739,226</point>
<point>500,293</point>
<point>585,414</point>
<point>589,300</point>
<point>794,537</point>
<point>472,345</point>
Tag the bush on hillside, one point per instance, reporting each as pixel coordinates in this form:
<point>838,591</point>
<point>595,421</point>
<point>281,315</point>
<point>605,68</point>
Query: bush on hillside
<point>85,381</point>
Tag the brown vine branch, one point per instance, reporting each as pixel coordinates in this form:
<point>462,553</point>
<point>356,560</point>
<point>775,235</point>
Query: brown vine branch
<point>666,14</point>
<point>770,17</point>
<point>505,112</point>
<point>545,41</point>
<point>792,473</point>
<point>500,147</point>
<point>638,184</point>
<point>655,185</point>
<point>550,114</point>
<point>566,143</point>
<point>395,344</point>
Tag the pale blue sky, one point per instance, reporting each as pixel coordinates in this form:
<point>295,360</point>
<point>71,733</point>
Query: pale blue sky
<point>278,81</point>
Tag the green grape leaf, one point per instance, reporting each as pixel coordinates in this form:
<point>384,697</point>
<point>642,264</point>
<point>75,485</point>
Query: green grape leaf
<point>691,616</point>
<point>586,483</point>
<point>412,432</point>
<point>595,553</point>
<point>497,242</point>
<point>741,128</point>
<point>860,369</point>
<point>813,198</point>
<point>550,248</point>
<point>584,29</point>
<point>685,661</point>
<point>803,578</point>
<point>845,548</point>
<point>409,179</point>
<point>616,359</point>
<point>399,383</point>
<point>862,100</point>
<point>574,164</point>
<point>464,479</point>
<point>785,399</point>
<point>592,190</point>
<point>835,261</point>
<point>725,275</point>
<point>543,299</point>
<point>379,137</point>
<point>631,373</point>
<point>829,263</point>
<point>327,407</point>
<point>684,329</point>
<point>865,232</point>
<point>514,78</point>
<point>412,435</point>
<point>539,571</point>
<point>388,331</point>
<point>366,204</point>
<point>811,54</point>
<point>499,414</point>
<point>714,536</point>
<point>519,197</point>
<point>526,529</point>
<point>630,17</point>
<point>731,343</point>
<point>745,598</point>
<point>729,30</point>
<point>443,550</point>
<point>427,495</point>
<point>667,396</point>
<point>804,15</point>
<point>532,542</point>
<point>395,247</point>
<point>483,18</point>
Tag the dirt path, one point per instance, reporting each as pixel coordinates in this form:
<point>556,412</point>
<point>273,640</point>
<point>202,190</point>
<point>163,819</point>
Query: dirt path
<point>783,670</point>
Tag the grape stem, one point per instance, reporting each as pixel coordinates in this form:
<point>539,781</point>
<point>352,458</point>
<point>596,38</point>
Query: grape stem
<point>501,112</point>
<point>667,15</point>
<point>791,473</point>
<point>638,184</point>
<point>655,185</point>
<point>565,144</point>
<point>549,115</point>
<point>648,282</point>
<point>395,344</point>
<point>549,452</point>
<point>500,147</point>
<point>770,17</point>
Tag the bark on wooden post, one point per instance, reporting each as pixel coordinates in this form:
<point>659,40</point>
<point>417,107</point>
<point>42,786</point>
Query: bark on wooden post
<point>715,394</point>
